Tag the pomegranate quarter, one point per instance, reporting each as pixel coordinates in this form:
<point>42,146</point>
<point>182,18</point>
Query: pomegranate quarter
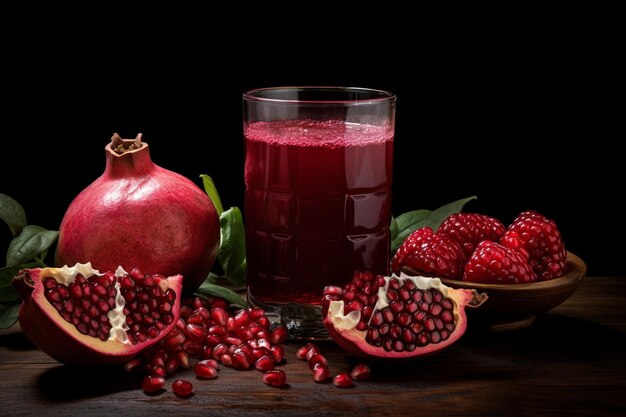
<point>396,317</point>
<point>79,316</point>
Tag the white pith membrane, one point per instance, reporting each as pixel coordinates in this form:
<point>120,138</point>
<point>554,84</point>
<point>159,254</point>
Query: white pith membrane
<point>67,275</point>
<point>346,324</point>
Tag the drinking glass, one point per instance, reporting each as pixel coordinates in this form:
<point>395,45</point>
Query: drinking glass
<point>318,169</point>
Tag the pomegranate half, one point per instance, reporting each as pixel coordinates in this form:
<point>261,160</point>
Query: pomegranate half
<point>376,317</point>
<point>79,316</point>
<point>139,215</point>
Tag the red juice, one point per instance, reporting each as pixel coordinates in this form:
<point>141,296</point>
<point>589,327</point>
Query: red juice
<point>318,206</point>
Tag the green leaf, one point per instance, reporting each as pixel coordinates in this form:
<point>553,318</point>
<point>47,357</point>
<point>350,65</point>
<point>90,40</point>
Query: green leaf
<point>212,277</point>
<point>12,213</point>
<point>238,278</point>
<point>9,294</point>
<point>208,289</point>
<point>32,241</point>
<point>8,315</point>
<point>406,224</point>
<point>409,222</point>
<point>393,228</point>
<point>232,252</point>
<point>211,190</point>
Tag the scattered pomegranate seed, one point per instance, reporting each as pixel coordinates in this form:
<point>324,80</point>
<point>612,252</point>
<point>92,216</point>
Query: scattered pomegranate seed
<point>182,388</point>
<point>317,358</point>
<point>302,352</point>
<point>360,372</point>
<point>275,378</point>
<point>312,351</point>
<point>206,330</point>
<point>264,363</point>
<point>152,384</point>
<point>132,364</point>
<point>320,373</point>
<point>278,353</point>
<point>278,335</point>
<point>343,380</point>
<point>204,370</point>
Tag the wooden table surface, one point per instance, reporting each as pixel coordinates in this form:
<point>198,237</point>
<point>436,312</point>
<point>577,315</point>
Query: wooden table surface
<point>571,361</point>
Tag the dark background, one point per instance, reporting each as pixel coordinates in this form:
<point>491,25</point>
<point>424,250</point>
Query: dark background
<point>524,122</point>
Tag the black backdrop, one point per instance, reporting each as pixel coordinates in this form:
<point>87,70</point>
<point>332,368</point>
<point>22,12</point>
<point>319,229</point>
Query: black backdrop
<point>523,126</point>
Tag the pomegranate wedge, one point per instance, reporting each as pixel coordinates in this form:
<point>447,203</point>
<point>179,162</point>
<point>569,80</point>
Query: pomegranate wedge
<point>79,316</point>
<point>396,317</point>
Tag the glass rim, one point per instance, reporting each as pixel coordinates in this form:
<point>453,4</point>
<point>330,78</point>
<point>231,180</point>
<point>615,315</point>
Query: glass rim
<point>379,96</point>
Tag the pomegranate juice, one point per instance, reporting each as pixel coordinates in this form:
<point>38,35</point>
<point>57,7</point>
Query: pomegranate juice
<point>318,206</point>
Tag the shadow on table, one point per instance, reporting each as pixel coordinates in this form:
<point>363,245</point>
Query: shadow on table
<point>16,341</point>
<point>65,383</point>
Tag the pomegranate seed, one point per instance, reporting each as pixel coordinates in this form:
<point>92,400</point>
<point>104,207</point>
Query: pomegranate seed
<point>275,378</point>
<point>263,322</point>
<point>360,372</point>
<point>183,359</point>
<point>278,353</point>
<point>242,318</point>
<point>256,313</point>
<point>264,343</point>
<point>158,371</point>
<point>343,380</point>
<point>132,364</point>
<point>226,359</point>
<point>320,373</point>
<point>152,384</point>
<point>136,274</point>
<point>257,352</point>
<point>312,351</point>
<point>192,348</point>
<point>264,363</point>
<point>245,333</point>
<point>205,369</point>
<point>171,366</point>
<point>176,339</point>
<point>302,352</point>
<point>182,388</point>
<point>219,316</point>
<point>219,303</point>
<point>233,340</point>
<point>240,359</point>
<point>278,335</point>
<point>230,324</point>
<point>332,290</point>
<point>317,358</point>
<point>213,340</point>
<point>219,350</point>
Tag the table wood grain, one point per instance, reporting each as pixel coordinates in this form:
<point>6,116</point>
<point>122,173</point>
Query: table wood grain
<point>571,361</point>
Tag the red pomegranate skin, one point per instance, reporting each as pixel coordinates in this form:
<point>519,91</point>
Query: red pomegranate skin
<point>138,214</point>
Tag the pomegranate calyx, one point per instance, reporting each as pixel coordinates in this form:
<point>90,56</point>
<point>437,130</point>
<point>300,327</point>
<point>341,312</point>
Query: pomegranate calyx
<point>121,146</point>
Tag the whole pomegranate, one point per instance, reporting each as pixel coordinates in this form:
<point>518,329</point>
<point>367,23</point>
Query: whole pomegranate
<point>138,214</point>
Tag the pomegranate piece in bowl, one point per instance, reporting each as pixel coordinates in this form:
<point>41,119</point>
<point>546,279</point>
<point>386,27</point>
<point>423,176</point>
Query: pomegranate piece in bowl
<point>397,317</point>
<point>515,306</point>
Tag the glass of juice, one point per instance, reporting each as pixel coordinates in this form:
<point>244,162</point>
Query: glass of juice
<point>318,168</point>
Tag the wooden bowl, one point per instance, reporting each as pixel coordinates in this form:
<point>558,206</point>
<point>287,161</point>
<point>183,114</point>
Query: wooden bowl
<point>515,306</point>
